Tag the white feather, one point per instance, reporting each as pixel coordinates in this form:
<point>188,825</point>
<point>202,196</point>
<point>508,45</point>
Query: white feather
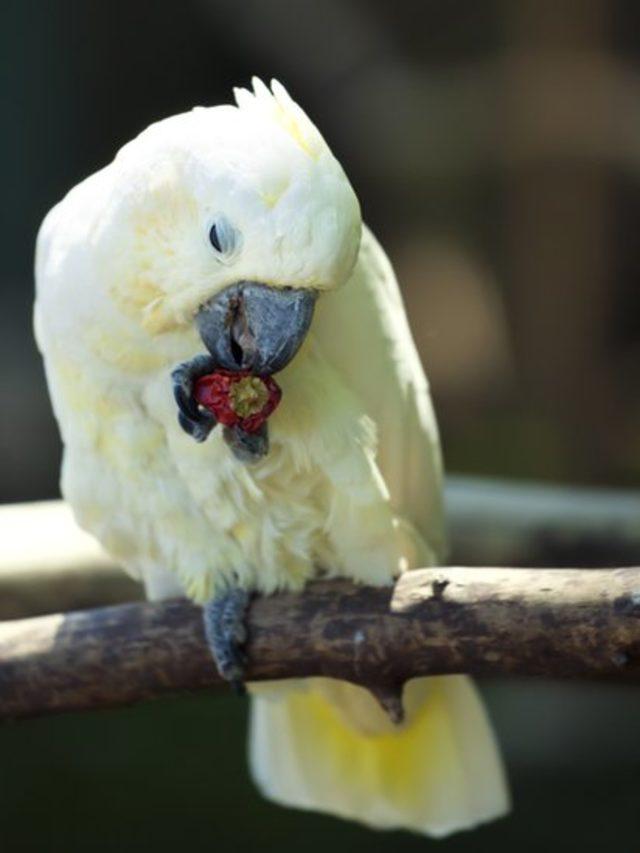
<point>363,331</point>
<point>328,746</point>
<point>437,774</point>
<point>352,483</point>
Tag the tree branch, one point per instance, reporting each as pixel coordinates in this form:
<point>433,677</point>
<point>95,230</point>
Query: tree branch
<point>558,623</point>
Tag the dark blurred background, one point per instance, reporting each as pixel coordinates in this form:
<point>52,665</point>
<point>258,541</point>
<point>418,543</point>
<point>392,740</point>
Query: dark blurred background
<point>495,147</point>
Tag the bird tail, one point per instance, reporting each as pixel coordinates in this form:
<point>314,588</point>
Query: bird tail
<point>326,745</point>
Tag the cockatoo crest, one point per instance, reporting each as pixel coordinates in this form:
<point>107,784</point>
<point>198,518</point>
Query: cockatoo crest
<point>277,105</point>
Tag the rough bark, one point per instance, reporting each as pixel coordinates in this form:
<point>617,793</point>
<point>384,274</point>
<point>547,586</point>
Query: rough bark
<point>488,621</point>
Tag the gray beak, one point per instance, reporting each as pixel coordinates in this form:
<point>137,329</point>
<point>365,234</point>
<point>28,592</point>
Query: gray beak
<point>250,326</point>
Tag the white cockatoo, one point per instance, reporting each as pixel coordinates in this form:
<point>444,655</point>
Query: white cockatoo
<point>229,237</point>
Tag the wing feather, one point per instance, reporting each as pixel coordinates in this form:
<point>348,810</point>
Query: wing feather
<point>363,330</point>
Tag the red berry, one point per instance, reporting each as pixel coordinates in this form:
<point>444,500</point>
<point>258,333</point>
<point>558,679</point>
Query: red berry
<point>238,399</point>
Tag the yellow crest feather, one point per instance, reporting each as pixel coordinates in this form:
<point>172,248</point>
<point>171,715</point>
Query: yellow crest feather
<point>276,104</point>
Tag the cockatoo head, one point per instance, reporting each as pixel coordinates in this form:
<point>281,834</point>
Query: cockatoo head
<point>232,217</point>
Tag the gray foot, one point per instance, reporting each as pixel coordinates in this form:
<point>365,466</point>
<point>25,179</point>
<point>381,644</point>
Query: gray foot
<point>195,420</point>
<point>224,627</point>
<point>247,447</point>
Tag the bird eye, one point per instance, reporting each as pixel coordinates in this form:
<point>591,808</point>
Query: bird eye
<point>224,238</point>
<point>214,239</point>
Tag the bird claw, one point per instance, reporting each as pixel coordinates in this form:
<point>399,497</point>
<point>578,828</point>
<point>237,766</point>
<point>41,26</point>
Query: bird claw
<point>246,446</point>
<point>195,420</point>
<point>198,429</point>
<point>226,633</point>
<point>198,422</point>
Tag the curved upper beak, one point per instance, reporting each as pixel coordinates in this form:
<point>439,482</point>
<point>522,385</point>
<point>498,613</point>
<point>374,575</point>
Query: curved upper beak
<point>251,326</point>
